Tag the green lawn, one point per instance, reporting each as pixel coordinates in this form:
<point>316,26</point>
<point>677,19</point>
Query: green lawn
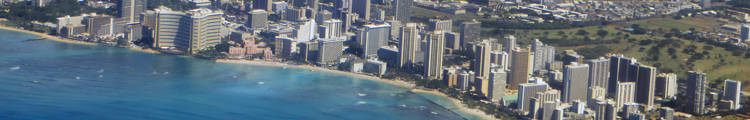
<point>425,12</point>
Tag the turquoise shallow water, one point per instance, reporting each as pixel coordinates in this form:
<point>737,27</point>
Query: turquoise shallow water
<point>116,83</point>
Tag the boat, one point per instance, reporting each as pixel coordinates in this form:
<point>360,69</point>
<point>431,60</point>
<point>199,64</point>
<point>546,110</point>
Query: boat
<point>402,105</point>
<point>101,76</point>
<point>166,73</point>
<point>361,102</point>
<point>35,81</point>
<point>100,71</point>
<point>434,113</point>
<point>15,68</point>
<point>261,83</point>
<point>78,78</point>
<point>362,94</point>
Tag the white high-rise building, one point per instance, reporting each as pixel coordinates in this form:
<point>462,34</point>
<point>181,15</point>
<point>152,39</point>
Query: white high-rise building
<point>434,55</point>
<point>305,31</point>
<point>666,84</point>
<point>333,28</point>
<point>408,45</point>
<point>372,37</point>
<point>599,72</point>
<point>732,90</point>
<point>625,93</point>
<point>482,59</point>
<point>526,91</point>
<point>543,54</point>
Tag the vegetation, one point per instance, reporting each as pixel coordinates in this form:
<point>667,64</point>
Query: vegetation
<point>21,14</point>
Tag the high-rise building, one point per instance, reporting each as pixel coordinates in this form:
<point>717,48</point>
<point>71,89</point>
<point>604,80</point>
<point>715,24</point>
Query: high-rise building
<point>625,93</point>
<point>362,7</point>
<point>257,18</point>
<point>263,4</point>
<point>500,59</point>
<point>594,95</point>
<point>575,80</point>
<point>645,86</point>
<point>519,69</point>
<point>324,15</point>
<point>464,79</point>
<point>619,71</point>
<point>482,59</point>
<point>408,45</point>
<point>571,56</point>
<point>666,113</point>
<point>402,10</point>
<point>744,33</point>
<point>329,51</point>
<point>305,30</point>
<point>557,114</point>
<point>438,24</point>
<point>96,24</point>
<point>395,28</point>
<point>334,29</point>
<point>470,32</point>
<point>309,51</point>
<point>380,15</point>
<point>452,40</point>
<point>543,54</point>
<point>293,14</point>
<point>526,91</point>
<point>373,37</point>
<point>610,113</point>
<point>497,84</point>
<point>285,46</point>
<point>189,32</point>
<point>705,4</point>
<point>434,56</point>
<point>600,109</point>
<point>599,72</point>
<point>510,43</point>
<point>697,85</point>
<point>666,84</point>
<point>732,90</point>
<point>450,76</point>
<point>130,10</point>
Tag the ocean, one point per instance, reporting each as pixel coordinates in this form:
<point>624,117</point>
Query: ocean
<point>54,80</point>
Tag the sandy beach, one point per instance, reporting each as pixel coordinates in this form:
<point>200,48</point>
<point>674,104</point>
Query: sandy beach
<point>457,102</point>
<point>462,107</point>
<point>58,39</point>
<point>314,68</point>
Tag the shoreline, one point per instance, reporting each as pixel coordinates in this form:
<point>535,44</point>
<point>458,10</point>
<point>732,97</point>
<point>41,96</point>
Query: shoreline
<point>457,102</point>
<point>277,64</point>
<point>64,40</point>
<point>461,106</point>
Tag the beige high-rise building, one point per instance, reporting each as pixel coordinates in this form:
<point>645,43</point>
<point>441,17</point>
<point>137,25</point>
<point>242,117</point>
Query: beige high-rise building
<point>206,26</point>
<point>519,68</point>
<point>408,45</point>
<point>450,76</point>
<point>434,54</point>
<point>575,79</point>
<point>171,29</point>
<point>482,59</point>
<point>497,84</point>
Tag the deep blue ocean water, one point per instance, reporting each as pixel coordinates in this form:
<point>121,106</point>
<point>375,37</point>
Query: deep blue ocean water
<point>55,80</point>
